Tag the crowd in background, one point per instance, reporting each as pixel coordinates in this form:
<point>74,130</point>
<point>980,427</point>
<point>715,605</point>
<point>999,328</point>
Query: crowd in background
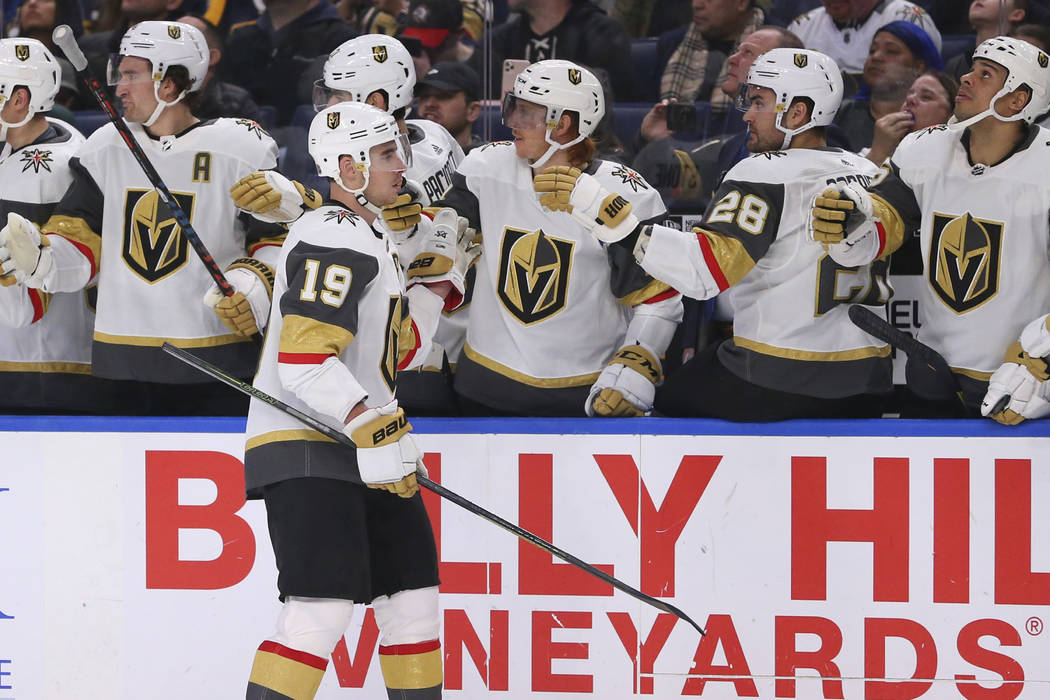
<point>671,71</point>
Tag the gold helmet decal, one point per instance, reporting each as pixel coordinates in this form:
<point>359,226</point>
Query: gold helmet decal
<point>801,60</point>
<point>333,120</point>
<point>379,54</point>
<point>964,260</point>
<point>1043,60</point>
<point>174,31</point>
<point>154,245</point>
<point>22,52</point>
<point>575,76</point>
<point>533,274</point>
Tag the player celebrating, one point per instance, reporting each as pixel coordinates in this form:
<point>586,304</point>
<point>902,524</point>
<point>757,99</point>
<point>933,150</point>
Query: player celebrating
<point>794,352</point>
<point>339,333</point>
<point>558,324</point>
<point>45,347</point>
<point>976,192</point>
<point>377,69</point>
<point>112,226</point>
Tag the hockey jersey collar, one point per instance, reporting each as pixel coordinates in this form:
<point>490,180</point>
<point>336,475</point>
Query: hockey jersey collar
<point>188,129</point>
<point>1030,133</point>
<point>54,133</point>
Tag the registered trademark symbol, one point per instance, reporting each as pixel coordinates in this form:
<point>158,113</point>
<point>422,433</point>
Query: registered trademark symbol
<point>1034,625</point>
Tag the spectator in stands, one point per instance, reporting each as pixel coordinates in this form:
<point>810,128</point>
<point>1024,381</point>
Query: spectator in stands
<point>644,18</point>
<point>899,53</point>
<point>697,67</point>
<point>988,18</point>
<point>218,98</point>
<point>930,101</point>
<point>574,30</point>
<point>843,29</point>
<point>381,17</point>
<point>782,12</point>
<point>1037,35</point>
<point>270,55</point>
<point>38,18</point>
<point>438,25</point>
<point>449,94</point>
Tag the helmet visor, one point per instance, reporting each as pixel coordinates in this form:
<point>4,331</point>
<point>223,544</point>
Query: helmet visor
<point>761,98</point>
<point>392,156</point>
<point>522,114</point>
<point>126,70</point>
<point>325,96</point>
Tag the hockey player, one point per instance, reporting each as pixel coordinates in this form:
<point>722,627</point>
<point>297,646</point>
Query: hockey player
<point>976,192</point>
<point>559,325</point>
<point>794,352</point>
<point>339,331</point>
<point>45,339</point>
<point>111,226</point>
<point>378,70</point>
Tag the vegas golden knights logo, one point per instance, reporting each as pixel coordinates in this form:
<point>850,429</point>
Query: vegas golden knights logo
<point>963,267</point>
<point>388,368</point>
<point>174,31</point>
<point>379,53</point>
<point>575,76</point>
<point>801,60</point>
<point>533,274</point>
<point>154,245</point>
<point>22,52</point>
<point>333,120</point>
<point>1043,60</point>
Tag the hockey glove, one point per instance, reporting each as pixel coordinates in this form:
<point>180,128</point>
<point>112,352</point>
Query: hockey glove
<point>271,197</point>
<point>606,215</point>
<point>1022,377</point>
<point>387,456</point>
<point>444,253</point>
<point>627,385</point>
<point>25,255</point>
<point>404,214</point>
<point>247,311</point>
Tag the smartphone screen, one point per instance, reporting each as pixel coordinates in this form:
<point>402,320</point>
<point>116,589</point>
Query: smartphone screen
<point>511,68</point>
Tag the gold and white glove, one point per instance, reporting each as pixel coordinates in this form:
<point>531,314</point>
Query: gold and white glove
<point>25,254</point>
<point>387,456</point>
<point>606,214</point>
<point>1022,378</point>
<point>445,251</point>
<point>271,197</point>
<point>843,219</point>
<point>247,310</point>
<point>404,214</point>
<point>627,385</point>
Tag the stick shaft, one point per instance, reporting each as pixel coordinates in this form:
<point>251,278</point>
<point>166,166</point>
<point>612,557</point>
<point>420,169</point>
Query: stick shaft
<point>338,436</point>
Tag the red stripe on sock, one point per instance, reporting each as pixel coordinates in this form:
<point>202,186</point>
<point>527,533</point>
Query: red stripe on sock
<point>303,358</point>
<point>294,654</point>
<point>406,649</point>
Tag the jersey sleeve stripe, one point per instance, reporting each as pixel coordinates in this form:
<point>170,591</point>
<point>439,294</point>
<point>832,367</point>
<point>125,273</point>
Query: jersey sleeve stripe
<point>76,231</point>
<point>405,356</point>
<point>39,305</point>
<point>303,358</point>
<point>670,293</point>
<point>303,336</point>
<point>711,261</point>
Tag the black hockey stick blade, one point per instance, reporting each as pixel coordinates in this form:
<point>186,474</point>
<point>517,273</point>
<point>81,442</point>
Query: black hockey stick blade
<point>64,39</point>
<point>337,435</point>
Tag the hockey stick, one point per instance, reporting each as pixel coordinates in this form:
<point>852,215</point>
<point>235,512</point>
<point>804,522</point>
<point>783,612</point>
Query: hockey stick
<point>64,39</point>
<point>338,436</point>
<point>944,384</point>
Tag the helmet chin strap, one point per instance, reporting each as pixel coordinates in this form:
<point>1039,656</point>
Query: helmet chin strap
<point>4,125</point>
<point>161,104</point>
<point>359,193</point>
<point>954,124</point>
<point>554,148</point>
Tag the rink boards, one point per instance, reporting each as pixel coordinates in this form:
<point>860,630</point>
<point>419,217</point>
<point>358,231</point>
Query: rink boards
<point>851,559</point>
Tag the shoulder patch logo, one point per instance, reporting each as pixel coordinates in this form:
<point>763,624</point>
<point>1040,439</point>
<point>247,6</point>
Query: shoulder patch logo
<point>333,120</point>
<point>22,52</point>
<point>630,177</point>
<point>36,159</point>
<point>174,31</point>
<point>340,216</point>
<point>533,274</point>
<point>963,267</point>
<point>575,76</point>
<point>379,54</point>
<point>801,60</point>
<point>154,246</point>
<point>251,126</point>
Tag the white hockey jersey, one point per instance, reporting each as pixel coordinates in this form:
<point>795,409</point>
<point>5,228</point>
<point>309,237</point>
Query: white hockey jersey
<point>45,339</point>
<point>849,44</point>
<point>338,333</point>
<point>550,305</point>
<point>985,241</point>
<point>791,331</point>
<point>151,282</point>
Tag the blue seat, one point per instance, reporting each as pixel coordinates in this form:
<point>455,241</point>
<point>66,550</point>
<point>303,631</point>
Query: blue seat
<point>90,119</point>
<point>490,115</point>
<point>267,116</point>
<point>303,115</point>
<point>646,66</point>
<point>953,45</point>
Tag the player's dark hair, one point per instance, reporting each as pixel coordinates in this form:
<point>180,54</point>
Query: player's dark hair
<point>180,76</point>
<point>785,39</point>
<point>808,102</point>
